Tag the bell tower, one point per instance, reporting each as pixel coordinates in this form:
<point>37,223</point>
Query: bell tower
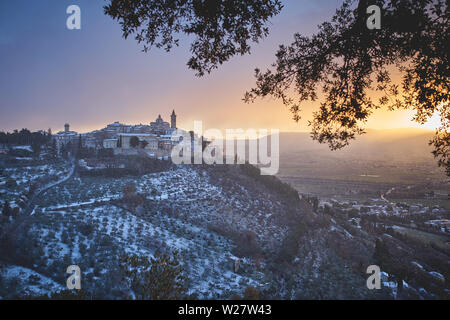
<point>173,120</point>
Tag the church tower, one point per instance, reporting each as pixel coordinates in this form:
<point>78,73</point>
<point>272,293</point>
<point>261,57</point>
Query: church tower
<point>173,120</point>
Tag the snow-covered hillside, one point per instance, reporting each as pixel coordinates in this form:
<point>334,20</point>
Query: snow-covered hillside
<point>78,222</point>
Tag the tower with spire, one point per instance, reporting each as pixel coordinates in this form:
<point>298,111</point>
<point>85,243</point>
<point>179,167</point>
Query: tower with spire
<point>173,120</point>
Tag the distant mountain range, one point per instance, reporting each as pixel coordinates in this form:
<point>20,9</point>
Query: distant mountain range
<point>396,145</point>
<point>388,156</point>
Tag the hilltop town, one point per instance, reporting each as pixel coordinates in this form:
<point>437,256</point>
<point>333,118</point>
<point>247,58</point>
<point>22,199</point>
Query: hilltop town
<point>153,140</point>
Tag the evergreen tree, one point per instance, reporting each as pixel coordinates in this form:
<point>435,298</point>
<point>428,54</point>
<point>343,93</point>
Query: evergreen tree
<point>53,149</point>
<point>36,146</point>
<point>64,152</point>
<point>134,142</point>
<point>80,150</point>
<point>158,278</point>
<point>144,144</point>
<point>381,254</point>
<point>6,212</point>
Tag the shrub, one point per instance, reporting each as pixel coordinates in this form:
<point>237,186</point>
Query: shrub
<point>158,278</point>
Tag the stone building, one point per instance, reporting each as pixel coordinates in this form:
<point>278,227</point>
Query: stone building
<point>66,136</point>
<point>124,141</point>
<point>110,143</point>
<point>159,126</point>
<point>154,139</point>
<point>173,120</point>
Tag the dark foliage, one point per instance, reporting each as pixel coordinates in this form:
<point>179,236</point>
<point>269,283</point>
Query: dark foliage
<point>350,65</point>
<point>271,182</point>
<point>134,142</point>
<point>6,211</point>
<point>159,278</point>
<point>127,166</point>
<point>221,28</point>
<point>105,153</point>
<point>24,137</point>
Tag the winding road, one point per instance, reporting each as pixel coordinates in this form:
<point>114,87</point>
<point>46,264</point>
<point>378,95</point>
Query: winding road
<point>30,207</point>
<point>394,206</point>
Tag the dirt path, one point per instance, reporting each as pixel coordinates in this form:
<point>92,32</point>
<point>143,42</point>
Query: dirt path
<point>30,207</point>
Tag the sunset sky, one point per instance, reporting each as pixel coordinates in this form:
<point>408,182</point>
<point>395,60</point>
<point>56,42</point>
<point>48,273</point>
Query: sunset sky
<point>50,75</point>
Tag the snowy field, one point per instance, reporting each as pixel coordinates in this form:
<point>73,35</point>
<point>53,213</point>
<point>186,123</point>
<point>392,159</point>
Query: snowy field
<point>75,222</point>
